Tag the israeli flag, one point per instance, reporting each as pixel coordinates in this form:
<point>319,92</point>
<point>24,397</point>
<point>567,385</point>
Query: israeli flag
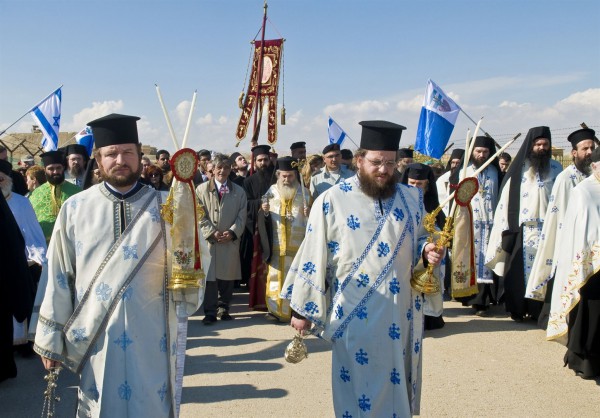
<point>86,139</point>
<point>47,116</point>
<point>336,133</point>
<point>438,117</point>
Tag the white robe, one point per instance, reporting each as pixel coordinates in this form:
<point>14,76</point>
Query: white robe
<point>544,264</point>
<point>533,203</point>
<point>442,185</point>
<point>578,254</point>
<point>107,313</point>
<point>483,205</point>
<point>351,279</point>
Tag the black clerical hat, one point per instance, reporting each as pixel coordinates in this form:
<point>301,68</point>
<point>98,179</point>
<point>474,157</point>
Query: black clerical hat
<point>260,149</point>
<point>484,142</point>
<point>285,163</point>
<point>114,129</point>
<point>418,171</point>
<point>76,149</point>
<point>380,135</point>
<point>297,145</point>
<point>405,153</point>
<point>5,167</point>
<point>581,135</point>
<point>52,157</point>
<point>457,154</point>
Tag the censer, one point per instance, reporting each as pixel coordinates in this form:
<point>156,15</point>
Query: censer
<point>425,281</point>
<point>296,350</point>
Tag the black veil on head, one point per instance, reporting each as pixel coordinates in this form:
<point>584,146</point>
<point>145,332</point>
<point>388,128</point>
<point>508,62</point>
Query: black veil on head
<point>418,171</point>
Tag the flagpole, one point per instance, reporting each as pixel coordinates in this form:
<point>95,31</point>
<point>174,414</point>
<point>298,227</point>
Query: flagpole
<point>29,111</point>
<point>259,74</point>
<point>486,134</point>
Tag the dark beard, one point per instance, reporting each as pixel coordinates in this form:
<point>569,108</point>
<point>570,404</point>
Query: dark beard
<point>76,171</point>
<point>477,164</point>
<point>122,181</point>
<point>540,161</point>
<point>373,189</point>
<point>584,165</point>
<point>265,174</point>
<point>56,179</point>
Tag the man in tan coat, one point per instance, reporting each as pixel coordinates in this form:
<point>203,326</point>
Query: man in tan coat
<point>224,205</point>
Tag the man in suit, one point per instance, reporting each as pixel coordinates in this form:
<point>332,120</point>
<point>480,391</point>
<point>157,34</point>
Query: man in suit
<point>224,204</point>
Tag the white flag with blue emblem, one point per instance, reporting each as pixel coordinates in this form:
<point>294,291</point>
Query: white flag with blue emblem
<point>47,115</point>
<point>336,133</point>
<point>438,117</point>
<point>86,139</point>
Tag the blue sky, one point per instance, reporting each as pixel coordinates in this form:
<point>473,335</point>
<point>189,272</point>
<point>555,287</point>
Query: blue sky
<point>516,63</point>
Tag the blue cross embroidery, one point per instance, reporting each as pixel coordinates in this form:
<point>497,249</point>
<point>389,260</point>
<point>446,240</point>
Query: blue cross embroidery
<point>395,286</point>
<point>418,218</point>
<point>409,314</point>
<point>417,346</point>
<point>288,292</point>
<point>339,312</point>
<point>353,222</point>
<point>333,246</point>
<point>123,341</point>
<point>79,335</point>
<point>345,186</point>
<point>163,344</point>
<point>394,332</point>
<point>418,303</point>
<point>130,252</point>
<point>310,228</point>
<point>398,214</point>
<point>383,249</point>
<point>309,267</point>
<point>325,208</point>
<point>361,357</point>
<point>364,403</point>
<point>125,391</point>
<point>103,291</point>
<point>154,214</point>
<point>363,280</point>
<point>362,312</point>
<point>311,308</point>
<point>344,375</point>
<point>162,392</point>
<point>548,261</point>
<point>346,415</point>
<point>61,280</point>
<point>395,377</point>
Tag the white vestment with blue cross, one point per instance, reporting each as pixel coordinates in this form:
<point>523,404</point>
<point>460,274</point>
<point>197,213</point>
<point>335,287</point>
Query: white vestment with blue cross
<point>107,314</point>
<point>351,279</point>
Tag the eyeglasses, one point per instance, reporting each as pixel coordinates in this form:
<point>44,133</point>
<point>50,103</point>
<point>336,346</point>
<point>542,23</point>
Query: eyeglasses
<point>379,163</point>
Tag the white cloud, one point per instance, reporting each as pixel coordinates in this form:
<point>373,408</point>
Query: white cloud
<point>97,110</point>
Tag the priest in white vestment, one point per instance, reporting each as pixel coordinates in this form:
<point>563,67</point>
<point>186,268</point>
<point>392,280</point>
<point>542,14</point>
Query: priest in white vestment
<point>575,311</point>
<point>351,280</point>
<point>518,220</point>
<point>483,206</point>
<point>107,314</point>
<point>282,225</point>
<point>544,266</point>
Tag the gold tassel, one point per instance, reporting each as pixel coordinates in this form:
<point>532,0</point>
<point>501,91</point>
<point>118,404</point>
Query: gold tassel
<point>283,115</point>
<point>55,199</point>
<point>241,100</point>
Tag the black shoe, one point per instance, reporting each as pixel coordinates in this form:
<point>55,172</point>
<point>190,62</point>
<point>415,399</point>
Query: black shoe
<point>225,316</point>
<point>25,350</point>
<point>209,320</point>
<point>583,376</point>
<point>516,317</point>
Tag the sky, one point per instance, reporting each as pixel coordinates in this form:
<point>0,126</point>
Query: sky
<point>518,64</point>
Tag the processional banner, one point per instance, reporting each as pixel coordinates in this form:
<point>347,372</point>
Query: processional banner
<point>269,87</point>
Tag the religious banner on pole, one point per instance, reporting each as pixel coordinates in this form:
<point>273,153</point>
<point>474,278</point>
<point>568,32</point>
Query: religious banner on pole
<point>264,88</point>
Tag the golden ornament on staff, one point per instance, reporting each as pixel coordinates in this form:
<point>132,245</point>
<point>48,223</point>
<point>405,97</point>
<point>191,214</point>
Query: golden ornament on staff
<point>425,281</point>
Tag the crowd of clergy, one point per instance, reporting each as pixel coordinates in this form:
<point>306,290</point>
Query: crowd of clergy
<point>532,225</point>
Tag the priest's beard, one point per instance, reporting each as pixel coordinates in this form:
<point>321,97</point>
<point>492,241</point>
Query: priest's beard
<point>55,179</point>
<point>539,163</point>
<point>584,165</point>
<point>372,188</point>
<point>287,191</point>
<point>478,163</point>
<point>7,187</point>
<point>76,171</point>
<point>117,180</point>
<point>265,174</point>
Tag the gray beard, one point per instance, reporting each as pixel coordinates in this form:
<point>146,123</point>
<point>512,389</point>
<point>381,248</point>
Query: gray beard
<point>286,192</point>
<point>6,188</point>
<point>76,171</point>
